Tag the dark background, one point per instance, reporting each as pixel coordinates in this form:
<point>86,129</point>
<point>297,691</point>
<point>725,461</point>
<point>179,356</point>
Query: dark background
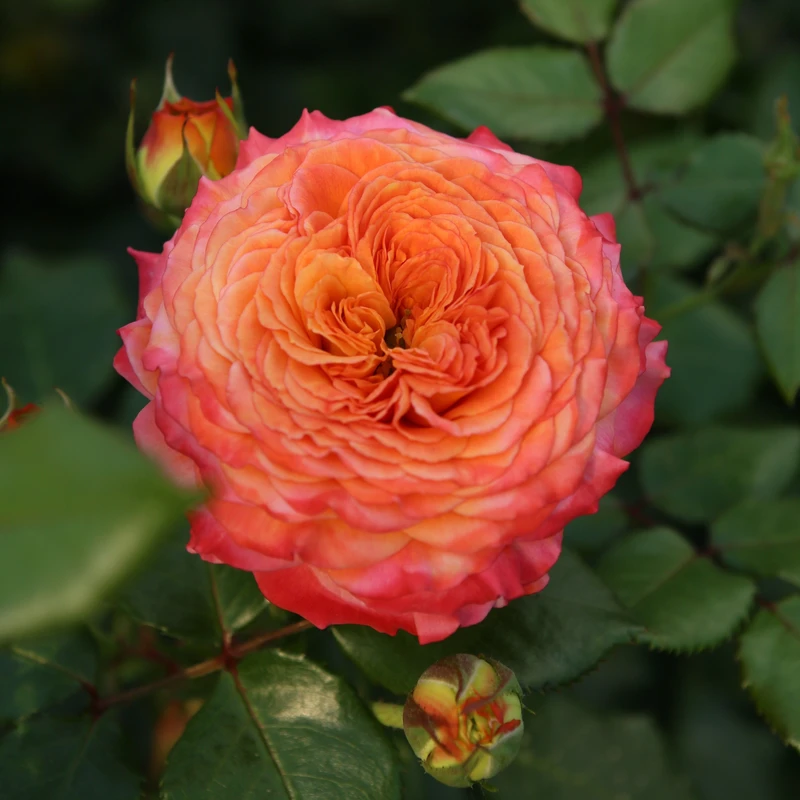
<point>65,67</point>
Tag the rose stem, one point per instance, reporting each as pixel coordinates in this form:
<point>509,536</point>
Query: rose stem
<point>211,665</point>
<point>612,104</point>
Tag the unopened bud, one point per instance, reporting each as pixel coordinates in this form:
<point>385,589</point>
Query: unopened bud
<point>464,719</point>
<point>185,141</point>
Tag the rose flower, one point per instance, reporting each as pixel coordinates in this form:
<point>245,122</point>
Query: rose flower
<point>401,361</point>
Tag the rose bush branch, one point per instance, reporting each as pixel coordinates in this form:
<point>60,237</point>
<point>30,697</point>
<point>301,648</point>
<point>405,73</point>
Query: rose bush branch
<point>746,275</point>
<point>226,660</point>
<point>613,103</point>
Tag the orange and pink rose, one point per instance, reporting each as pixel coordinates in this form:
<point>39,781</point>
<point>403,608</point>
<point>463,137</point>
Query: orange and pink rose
<point>402,362</point>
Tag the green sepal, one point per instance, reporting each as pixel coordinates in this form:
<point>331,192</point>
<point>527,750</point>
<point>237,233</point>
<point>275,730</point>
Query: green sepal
<point>229,115</point>
<point>457,776</point>
<point>131,164</point>
<point>388,714</point>
<point>170,93</point>
<point>180,184</point>
<point>161,220</point>
<point>238,118</point>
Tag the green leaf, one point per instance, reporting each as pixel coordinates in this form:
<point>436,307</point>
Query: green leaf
<point>281,728</point>
<point>238,599</point>
<point>677,246</point>
<point>778,324</point>
<point>654,162</point>
<point>574,20</point>
<point>636,238</point>
<point>715,361</point>
<point>698,475</point>
<point>591,533</point>
<point>547,639</point>
<point>769,651</point>
<point>727,751</point>
<point>722,184</point>
<point>651,236</point>
<point>669,56</point>
<point>174,594</point>
<point>182,595</point>
<point>569,753</point>
<point>683,600</point>
<point>81,509</point>
<point>59,327</point>
<point>40,673</point>
<point>541,93</point>
<point>77,759</point>
<point>129,407</point>
<point>762,537</point>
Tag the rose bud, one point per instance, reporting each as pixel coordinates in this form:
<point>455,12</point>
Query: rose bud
<point>13,416</point>
<point>464,719</point>
<point>402,362</point>
<point>169,727</point>
<point>185,141</point>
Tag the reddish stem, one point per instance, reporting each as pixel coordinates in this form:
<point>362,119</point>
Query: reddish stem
<point>226,660</point>
<point>613,104</point>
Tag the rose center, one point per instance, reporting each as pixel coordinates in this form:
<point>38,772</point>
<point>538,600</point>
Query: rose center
<point>395,336</point>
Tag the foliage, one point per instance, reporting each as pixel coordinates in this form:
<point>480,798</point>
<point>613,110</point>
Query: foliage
<point>114,636</point>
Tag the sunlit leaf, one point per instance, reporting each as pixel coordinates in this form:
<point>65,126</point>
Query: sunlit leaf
<point>283,728</point>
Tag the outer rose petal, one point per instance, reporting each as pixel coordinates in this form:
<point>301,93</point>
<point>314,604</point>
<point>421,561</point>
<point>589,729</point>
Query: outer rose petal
<point>484,137</point>
<point>150,438</point>
<point>606,225</point>
<point>402,362</point>
<point>302,588</point>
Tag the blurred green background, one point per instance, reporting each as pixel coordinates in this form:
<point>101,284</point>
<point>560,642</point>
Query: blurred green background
<point>65,67</point>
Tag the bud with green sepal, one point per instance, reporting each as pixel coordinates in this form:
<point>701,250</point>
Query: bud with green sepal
<point>185,141</point>
<point>464,719</point>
